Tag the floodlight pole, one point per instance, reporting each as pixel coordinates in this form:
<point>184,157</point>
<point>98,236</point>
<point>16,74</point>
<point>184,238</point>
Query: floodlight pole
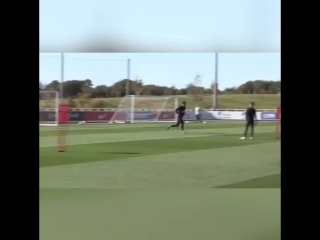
<point>128,77</point>
<point>215,84</point>
<point>61,78</point>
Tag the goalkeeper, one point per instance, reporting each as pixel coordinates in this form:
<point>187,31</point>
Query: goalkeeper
<point>197,113</point>
<point>250,117</point>
<point>180,111</point>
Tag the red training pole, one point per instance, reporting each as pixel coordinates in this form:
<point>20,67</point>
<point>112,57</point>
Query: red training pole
<point>62,127</point>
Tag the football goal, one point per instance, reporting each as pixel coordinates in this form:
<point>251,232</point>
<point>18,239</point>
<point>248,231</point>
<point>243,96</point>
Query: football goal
<point>137,109</point>
<point>48,108</point>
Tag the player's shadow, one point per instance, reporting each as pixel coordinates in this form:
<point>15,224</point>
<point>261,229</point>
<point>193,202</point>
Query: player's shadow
<point>124,153</point>
<point>232,135</point>
<point>264,139</point>
<point>201,133</point>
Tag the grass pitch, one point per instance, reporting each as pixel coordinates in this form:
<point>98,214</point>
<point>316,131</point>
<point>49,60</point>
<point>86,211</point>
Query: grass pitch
<point>140,181</point>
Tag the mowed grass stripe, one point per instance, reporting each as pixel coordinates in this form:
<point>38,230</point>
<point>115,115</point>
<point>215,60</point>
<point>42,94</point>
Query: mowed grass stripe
<point>76,127</point>
<point>122,149</point>
<point>97,139</point>
<point>205,168</point>
<point>131,128</point>
<point>143,136</point>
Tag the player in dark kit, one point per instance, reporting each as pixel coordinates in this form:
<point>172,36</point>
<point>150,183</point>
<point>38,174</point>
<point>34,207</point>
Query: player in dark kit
<point>250,117</point>
<point>180,111</point>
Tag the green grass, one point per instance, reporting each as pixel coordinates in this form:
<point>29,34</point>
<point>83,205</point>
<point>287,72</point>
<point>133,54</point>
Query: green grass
<point>133,145</point>
<point>140,181</point>
<point>226,101</point>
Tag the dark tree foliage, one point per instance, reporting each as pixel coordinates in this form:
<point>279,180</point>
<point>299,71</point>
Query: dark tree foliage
<point>76,88</point>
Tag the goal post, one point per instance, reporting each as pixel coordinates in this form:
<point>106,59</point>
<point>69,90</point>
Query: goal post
<point>48,108</point>
<point>278,123</point>
<point>144,109</point>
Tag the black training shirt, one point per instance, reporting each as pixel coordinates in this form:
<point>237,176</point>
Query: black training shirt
<point>180,111</point>
<point>251,114</point>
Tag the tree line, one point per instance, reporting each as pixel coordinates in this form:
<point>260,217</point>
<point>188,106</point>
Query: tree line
<point>76,88</point>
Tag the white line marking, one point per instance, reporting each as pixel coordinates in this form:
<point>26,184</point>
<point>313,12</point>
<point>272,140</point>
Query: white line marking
<point>146,139</point>
<point>97,126</point>
<point>132,140</point>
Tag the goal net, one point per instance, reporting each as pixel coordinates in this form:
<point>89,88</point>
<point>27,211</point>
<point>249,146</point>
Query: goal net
<point>48,108</point>
<point>137,109</point>
<point>278,122</point>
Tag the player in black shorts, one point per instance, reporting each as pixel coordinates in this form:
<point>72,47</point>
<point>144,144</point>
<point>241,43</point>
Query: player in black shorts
<point>180,111</point>
<point>250,117</point>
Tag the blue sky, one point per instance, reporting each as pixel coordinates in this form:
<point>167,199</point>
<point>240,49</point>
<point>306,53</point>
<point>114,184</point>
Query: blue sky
<point>160,26</point>
<point>168,69</point>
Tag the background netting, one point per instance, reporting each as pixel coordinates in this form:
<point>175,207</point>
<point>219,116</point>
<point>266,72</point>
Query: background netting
<point>146,109</point>
<point>278,122</point>
<point>48,108</point>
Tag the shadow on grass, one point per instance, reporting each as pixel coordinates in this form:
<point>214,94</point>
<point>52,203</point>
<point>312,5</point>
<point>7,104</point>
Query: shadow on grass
<point>124,153</point>
<point>262,139</point>
<point>272,181</point>
<point>255,138</point>
<point>202,133</point>
<point>237,136</point>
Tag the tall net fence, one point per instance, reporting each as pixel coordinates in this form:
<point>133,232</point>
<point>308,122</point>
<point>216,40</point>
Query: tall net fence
<point>278,122</point>
<point>83,75</point>
<point>108,73</point>
<point>48,108</point>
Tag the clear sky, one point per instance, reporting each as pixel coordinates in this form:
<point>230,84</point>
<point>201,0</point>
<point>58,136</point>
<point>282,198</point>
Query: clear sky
<point>167,69</point>
<point>160,26</point>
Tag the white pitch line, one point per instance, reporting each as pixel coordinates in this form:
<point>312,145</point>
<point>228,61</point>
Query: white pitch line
<point>134,140</point>
<point>100,126</point>
<point>146,139</point>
